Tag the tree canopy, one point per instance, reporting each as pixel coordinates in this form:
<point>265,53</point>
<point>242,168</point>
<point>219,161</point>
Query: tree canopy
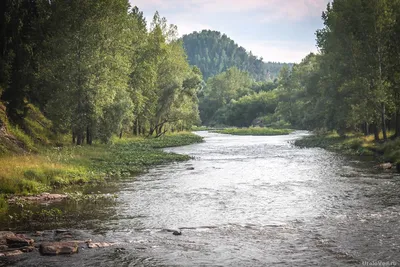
<point>95,68</point>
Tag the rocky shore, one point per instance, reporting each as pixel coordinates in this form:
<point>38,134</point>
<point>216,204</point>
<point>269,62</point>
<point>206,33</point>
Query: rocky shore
<point>46,243</point>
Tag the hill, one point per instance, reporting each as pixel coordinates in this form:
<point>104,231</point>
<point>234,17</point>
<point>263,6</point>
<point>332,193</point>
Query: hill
<point>214,53</point>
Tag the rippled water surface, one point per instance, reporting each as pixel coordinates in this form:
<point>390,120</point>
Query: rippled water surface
<point>245,201</point>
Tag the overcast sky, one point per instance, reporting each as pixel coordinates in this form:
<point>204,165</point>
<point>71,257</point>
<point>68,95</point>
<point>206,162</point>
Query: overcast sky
<point>277,30</point>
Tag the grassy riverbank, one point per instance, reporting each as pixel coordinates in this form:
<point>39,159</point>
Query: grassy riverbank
<point>388,151</point>
<point>255,131</point>
<point>61,167</point>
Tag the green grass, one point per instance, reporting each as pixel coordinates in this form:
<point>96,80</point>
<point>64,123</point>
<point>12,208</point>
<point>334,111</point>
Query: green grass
<point>255,131</point>
<point>54,168</point>
<point>27,142</point>
<point>355,144</point>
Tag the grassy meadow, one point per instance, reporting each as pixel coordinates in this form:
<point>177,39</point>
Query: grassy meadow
<point>58,167</point>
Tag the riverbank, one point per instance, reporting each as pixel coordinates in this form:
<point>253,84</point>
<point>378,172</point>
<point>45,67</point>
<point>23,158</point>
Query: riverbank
<point>57,168</point>
<point>388,151</point>
<point>255,131</point>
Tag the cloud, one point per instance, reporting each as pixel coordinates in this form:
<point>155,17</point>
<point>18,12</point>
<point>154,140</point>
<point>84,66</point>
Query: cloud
<point>269,9</point>
<point>278,51</point>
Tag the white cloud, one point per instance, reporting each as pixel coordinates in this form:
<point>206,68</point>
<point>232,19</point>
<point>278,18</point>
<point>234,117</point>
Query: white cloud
<point>268,9</point>
<point>277,51</point>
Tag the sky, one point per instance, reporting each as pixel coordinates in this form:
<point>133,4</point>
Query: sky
<point>277,30</point>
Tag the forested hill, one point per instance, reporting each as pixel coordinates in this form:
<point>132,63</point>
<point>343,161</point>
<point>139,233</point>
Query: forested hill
<point>214,53</point>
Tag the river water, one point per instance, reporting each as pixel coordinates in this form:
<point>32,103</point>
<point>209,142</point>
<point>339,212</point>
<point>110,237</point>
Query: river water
<point>243,201</point>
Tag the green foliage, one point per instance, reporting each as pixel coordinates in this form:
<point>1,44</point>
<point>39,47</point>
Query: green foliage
<point>76,165</point>
<point>129,157</point>
<point>44,215</point>
<point>3,204</point>
<point>351,145</point>
<point>255,131</point>
<point>173,140</point>
<point>95,68</point>
<point>220,91</point>
<point>21,136</point>
<point>215,53</point>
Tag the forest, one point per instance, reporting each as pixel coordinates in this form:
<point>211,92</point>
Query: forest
<point>97,68</point>
<point>94,69</point>
<point>352,85</point>
<point>214,53</point>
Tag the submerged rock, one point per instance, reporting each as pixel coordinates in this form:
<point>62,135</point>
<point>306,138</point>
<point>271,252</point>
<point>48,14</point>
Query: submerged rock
<point>99,245</point>
<point>385,166</point>
<point>18,241</point>
<point>58,248</point>
<point>11,253</point>
<point>177,233</point>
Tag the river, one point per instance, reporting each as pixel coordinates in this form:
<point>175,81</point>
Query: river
<point>243,201</point>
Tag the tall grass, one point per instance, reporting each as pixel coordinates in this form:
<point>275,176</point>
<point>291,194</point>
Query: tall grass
<point>59,167</point>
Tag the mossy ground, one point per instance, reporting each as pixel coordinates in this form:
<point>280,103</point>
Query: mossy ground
<point>63,166</point>
<point>355,144</point>
<point>255,131</point>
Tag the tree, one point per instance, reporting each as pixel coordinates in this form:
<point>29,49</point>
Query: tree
<point>86,66</point>
<point>20,40</point>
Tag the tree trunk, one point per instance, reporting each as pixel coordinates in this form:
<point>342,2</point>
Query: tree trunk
<point>383,111</point>
<point>397,134</point>
<point>79,139</point>
<point>366,129</point>
<point>73,137</point>
<point>120,135</point>
<point>376,132</point>
<point>159,130</point>
<point>151,131</point>
<point>137,127</point>
<point>88,136</point>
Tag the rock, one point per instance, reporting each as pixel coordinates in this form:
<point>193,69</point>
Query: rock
<point>60,231</point>
<point>177,233</point>
<point>44,197</point>
<point>4,235</point>
<point>385,166</point>
<point>190,168</point>
<point>11,253</point>
<point>58,248</point>
<point>38,233</point>
<point>28,249</point>
<point>99,245</point>
<point>18,241</point>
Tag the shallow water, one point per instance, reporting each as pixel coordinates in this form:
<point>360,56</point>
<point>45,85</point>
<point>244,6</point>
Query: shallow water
<point>249,201</point>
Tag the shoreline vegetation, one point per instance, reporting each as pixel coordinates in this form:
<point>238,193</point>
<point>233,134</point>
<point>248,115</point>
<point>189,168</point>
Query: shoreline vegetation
<point>255,131</point>
<point>60,167</point>
<point>355,144</point>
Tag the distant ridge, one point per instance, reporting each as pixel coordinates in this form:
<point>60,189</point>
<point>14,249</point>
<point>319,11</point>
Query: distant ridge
<point>213,53</point>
